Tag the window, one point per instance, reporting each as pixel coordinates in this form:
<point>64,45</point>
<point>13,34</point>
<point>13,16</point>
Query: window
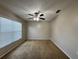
<point>10,31</point>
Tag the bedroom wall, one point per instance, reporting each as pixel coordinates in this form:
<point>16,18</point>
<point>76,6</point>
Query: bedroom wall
<point>65,30</point>
<point>38,31</point>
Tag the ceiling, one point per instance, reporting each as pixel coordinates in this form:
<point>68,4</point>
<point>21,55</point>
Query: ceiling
<point>23,7</point>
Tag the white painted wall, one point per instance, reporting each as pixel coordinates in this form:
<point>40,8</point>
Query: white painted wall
<point>38,30</point>
<point>64,31</point>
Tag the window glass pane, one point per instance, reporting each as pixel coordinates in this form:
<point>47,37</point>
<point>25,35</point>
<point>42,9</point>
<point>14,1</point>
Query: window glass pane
<point>10,31</point>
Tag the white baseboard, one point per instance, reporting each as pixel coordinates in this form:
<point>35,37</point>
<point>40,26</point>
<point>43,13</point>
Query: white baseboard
<point>58,45</point>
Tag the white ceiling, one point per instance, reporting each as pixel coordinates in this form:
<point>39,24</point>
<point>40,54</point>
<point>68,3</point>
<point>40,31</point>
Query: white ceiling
<point>23,7</point>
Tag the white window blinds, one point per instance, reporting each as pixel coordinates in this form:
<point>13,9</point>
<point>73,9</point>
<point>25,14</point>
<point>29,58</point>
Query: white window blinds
<point>10,31</point>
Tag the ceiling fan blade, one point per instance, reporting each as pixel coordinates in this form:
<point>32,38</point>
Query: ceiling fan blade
<point>31,14</point>
<point>41,14</point>
<point>29,18</point>
<point>42,18</point>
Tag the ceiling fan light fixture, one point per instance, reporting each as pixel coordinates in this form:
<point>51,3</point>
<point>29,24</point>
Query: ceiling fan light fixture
<point>36,19</point>
<point>37,16</point>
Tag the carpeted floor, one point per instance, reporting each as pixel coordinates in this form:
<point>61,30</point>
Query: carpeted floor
<point>36,50</point>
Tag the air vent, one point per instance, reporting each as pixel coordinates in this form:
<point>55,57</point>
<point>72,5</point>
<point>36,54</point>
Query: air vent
<point>58,11</point>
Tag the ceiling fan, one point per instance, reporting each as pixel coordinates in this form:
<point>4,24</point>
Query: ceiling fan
<point>37,16</point>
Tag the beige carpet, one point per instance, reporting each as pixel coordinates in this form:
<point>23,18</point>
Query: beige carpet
<point>36,50</point>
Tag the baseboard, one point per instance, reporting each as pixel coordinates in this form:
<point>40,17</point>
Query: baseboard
<point>58,45</point>
<point>37,39</point>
